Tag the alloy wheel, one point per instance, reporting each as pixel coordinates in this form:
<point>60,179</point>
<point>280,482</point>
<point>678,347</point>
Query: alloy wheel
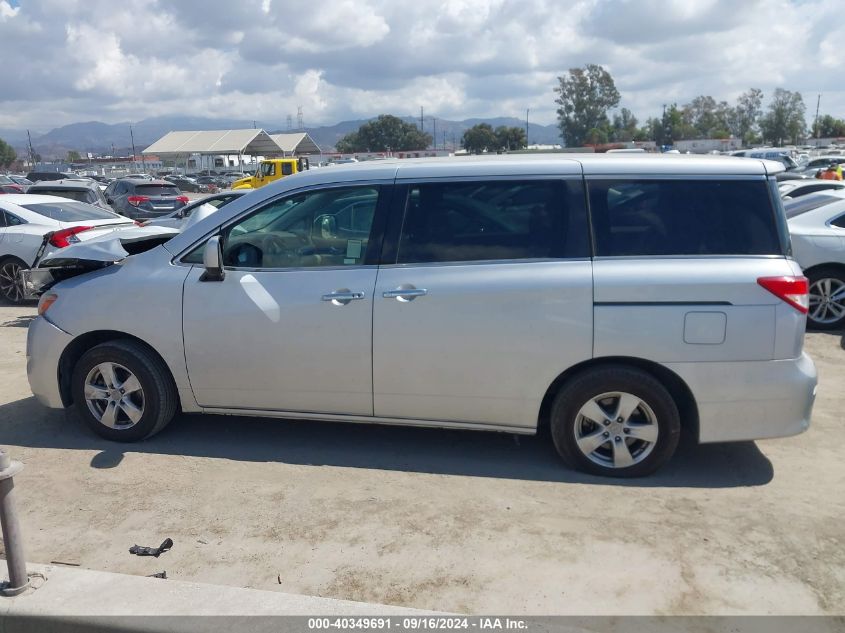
<point>11,285</point>
<point>827,300</point>
<point>616,429</point>
<point>114,396</point>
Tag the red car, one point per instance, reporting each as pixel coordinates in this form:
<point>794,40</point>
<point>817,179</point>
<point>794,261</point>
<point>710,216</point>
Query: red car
<point>7,185</point>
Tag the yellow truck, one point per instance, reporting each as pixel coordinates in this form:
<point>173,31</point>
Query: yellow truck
<point>270,170</point>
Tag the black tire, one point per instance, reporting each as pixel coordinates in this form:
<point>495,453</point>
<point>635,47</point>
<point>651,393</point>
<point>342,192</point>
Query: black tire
<point>9,268</point>
<point>160,398</point>
<point>817,276</point>
<point>660,411</point>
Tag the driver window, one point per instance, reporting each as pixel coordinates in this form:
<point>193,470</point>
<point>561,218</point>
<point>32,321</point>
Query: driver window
<point>268,169</point>
<point>311,229</point>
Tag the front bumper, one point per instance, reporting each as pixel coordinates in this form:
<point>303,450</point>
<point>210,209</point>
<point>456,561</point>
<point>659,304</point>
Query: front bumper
<point>44,346</point>
<point>751,400</point>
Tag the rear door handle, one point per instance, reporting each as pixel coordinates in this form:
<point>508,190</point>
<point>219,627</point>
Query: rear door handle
<point>404,294</point>
<point>342,297</point>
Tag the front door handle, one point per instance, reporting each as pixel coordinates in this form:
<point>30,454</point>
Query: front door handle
<point>342,297</point>
<point>404,294</point>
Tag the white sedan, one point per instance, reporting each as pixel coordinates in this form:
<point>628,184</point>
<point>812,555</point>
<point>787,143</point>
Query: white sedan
<point>817,226</point>
<point>26,221</point>
<point>798,188</point>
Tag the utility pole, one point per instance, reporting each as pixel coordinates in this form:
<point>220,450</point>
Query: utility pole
<point>816,122</point>
<point>527,110</point>
<point>299,123</point>
<point>434,135</point>
<point>132,138</point>
<point>31,151</point>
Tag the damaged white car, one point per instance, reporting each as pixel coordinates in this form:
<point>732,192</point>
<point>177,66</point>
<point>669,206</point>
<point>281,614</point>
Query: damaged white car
<point>104,249</point>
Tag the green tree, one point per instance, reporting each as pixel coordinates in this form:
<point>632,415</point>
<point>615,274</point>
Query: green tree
<point>743,118</point>
<point>828,126</point>
<point>385,133</point>
<point>7,154</point>
<point>703,117</point>
<point>584,97</point>
<point>480,138</point>
<point>73,156</point>
<point>624,127</point>
<point>508,138</point>
<point>784,120</point>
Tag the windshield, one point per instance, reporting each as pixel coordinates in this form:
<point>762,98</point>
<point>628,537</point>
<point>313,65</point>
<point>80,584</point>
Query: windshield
<point>70,211</point>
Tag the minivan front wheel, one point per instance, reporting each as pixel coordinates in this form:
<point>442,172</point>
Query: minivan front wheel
<point>123,391</point>
<point>615,421</point>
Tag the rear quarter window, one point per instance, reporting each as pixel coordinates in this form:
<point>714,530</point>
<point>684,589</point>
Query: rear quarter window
<point>684,217</point>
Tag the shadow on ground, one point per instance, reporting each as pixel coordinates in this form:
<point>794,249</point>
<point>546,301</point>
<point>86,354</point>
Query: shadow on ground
<point>447,452</point>
<point>21,321</point>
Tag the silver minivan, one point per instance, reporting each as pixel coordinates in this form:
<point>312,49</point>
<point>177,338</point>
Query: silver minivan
<point>615,298</point>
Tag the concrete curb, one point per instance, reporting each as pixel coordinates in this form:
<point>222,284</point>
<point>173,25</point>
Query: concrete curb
<point>72,593</point>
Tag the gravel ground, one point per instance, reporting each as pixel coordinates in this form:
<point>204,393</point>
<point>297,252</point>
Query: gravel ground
<point>448,520</point>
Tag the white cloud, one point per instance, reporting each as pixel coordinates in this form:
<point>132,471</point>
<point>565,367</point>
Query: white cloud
<point>71,60</point>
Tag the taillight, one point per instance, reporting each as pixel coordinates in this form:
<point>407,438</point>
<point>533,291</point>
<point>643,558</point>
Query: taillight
<point>46,301</point>
<point>183,199</point>
<point>795,290</point>
<point>136,200</point>
<point>66,237</point>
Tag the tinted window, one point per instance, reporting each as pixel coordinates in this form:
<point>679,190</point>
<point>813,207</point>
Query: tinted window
<point>683,217</point>
<point>13,220</point>
<point>157,190</point>
<point>70,211</point>
<point>81,195</point>
<point>475,221</point>
<point>287,169</point>
<point>328,227</point>
<point>802,204</point>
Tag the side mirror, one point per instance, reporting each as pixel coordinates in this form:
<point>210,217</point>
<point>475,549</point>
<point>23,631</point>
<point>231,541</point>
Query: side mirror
<point>327,225</point>
<point>212,260</point>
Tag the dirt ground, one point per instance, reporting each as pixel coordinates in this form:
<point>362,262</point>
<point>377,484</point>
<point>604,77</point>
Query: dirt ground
<point>447,520</point>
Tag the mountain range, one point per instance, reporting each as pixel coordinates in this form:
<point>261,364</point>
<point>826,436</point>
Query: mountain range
<point>115,139</point>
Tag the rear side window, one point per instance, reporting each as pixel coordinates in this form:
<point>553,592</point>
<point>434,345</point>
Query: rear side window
<point>157,190</point>
<point>477,221</point>
<point>70,211</point>
<point>683,217</point>
<point>7,219</point>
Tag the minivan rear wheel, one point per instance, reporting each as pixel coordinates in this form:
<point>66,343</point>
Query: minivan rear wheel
<point>827,298</point>
<point>123,391</point>
<point>615,421</point>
